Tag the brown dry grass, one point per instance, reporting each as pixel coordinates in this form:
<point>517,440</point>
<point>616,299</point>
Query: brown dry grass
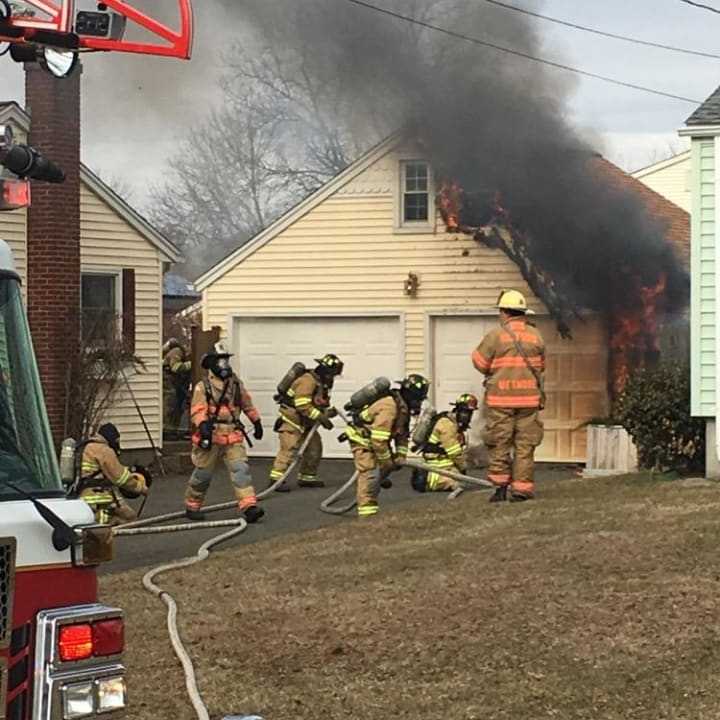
<point>600,600</point>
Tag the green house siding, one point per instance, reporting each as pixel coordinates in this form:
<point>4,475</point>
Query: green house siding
<point>703,272</point>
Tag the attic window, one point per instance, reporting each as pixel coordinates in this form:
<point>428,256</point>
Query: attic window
<point>415,179</point>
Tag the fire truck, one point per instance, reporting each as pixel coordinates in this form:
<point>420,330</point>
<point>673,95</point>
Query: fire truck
<point>60,649</point>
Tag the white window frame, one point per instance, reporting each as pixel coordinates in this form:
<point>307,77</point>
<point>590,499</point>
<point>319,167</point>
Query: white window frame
<point>117,273</point>
<point>414,226</point>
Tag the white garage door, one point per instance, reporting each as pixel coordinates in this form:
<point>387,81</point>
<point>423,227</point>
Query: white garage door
<point>576,378</point>
<point>265,347</point>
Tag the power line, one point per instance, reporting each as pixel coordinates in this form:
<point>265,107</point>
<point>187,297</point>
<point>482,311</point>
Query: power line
<point>701,5</point>
<point>602,33</point>
<point>518,53</point>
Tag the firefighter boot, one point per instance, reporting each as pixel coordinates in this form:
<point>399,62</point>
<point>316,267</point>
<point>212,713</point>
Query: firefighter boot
<point>310,481</point>
<point>252,514</point>
<point>194,515</point>
<point>500,494</point>
<point>516,497</point>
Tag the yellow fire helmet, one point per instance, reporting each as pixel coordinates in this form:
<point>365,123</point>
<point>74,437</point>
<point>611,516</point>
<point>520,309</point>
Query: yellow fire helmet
<point>513,300</point>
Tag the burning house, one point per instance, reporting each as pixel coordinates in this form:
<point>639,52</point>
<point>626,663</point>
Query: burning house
<point>397,270</point>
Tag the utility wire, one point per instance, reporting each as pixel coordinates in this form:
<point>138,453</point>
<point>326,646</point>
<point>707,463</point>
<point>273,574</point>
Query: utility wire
<point>701,5</point>
<point>602,33</point>
<point>518,53</point>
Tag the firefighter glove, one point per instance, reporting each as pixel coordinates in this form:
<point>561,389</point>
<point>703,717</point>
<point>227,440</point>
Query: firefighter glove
<point>331,412</point>
<point>206,435</point>
<point>258,430</point>
<point>325,421</point>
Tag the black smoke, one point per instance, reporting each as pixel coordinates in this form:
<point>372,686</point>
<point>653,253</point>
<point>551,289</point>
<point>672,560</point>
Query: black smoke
<point>494,122</point>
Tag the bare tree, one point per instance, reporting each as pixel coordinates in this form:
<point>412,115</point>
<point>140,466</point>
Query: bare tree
<point>94,379</point>
<point>277,137</point>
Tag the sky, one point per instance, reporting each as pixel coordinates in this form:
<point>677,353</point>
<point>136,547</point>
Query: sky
<point>133,120</point>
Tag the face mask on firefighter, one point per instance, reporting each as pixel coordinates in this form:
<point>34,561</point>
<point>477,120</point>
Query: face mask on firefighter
<point>464,417</point>
<point>222,369</point>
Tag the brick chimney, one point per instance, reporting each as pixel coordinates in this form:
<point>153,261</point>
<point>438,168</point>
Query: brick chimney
<point>53,234</point>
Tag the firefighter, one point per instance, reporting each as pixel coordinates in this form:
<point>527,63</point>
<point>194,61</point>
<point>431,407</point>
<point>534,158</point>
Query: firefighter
<point>306,402</point>
<point>446,446</point>
<point>512,358</point>
<point>216,405</point>
<point>104,480</point>
<point>176,384</point>
<point>379,436</point>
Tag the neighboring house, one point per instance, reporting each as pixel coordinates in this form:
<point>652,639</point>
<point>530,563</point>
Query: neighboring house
<point>335,274</point>
<point>122,259</point>
<point>178,294</point>
<point>703,129</point>
<point>669,178</point>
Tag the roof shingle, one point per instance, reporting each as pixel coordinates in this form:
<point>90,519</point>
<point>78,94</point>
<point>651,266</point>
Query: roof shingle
<point>676,219</point>
<point>708,113</point>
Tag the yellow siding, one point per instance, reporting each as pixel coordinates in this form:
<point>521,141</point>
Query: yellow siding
<point>108,242</point>
<point>345,256</point>
<point>671,179</point>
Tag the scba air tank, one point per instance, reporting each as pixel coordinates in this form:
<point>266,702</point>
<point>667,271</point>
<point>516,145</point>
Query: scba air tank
<point>424,426</point>
<point>296,371</point>
<point>367,395</point>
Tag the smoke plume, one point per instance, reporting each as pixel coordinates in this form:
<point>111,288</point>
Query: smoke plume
<point>491,121</point>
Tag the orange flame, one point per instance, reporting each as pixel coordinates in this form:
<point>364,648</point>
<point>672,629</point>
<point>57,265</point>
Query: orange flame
<point>634,340</point>
<point>450,204</point>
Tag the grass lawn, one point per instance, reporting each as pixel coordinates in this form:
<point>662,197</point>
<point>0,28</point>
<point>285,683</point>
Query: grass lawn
<point>598,600</point>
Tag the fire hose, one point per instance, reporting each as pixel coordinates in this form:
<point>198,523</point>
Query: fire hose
<point>202,554</point>
<point>239,525</point>
<point>128,528</point>
<point>327,505</point>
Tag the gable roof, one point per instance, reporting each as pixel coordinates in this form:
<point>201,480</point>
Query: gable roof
<point>11,111</point>
<point>662,165</point>
<point>295,213</point>
<point>708,113</point>
<point>677,219</point>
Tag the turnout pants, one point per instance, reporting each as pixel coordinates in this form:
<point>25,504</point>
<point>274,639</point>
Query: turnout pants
<point>440,483</point>
<point>109,509</point>
<point>291,438</point>
<point>235,458</point>
<point>511,436</point>
<point>368,481</point>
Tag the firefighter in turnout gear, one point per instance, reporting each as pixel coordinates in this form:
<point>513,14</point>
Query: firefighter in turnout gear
<point>446,446</point>
<point>216,405</point>
<point>177,369</point>
<point>104,479</point>
<point>512,358</point>
<point>306,402</point>
<point>379,437</point>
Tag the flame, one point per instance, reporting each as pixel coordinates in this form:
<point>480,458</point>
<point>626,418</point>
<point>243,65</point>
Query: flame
<point>634,340</point>
<point>450,204</point>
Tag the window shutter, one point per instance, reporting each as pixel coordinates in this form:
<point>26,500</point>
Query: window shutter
<point>128,309</point>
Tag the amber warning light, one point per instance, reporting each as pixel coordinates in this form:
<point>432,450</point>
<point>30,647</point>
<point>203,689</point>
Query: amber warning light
<point>14,194</point>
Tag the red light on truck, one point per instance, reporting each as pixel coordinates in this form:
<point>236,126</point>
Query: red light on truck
<point>108,637</point>
<point>75,642</point>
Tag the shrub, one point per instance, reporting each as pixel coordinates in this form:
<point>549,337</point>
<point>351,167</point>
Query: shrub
<point>655,409</point>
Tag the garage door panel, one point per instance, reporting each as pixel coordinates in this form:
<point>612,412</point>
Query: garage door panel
<point>575,377</point>
<point>266,347</point>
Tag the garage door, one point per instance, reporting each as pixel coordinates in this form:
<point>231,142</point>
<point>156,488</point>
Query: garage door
<point>266,347</point>
<point>575,379</point>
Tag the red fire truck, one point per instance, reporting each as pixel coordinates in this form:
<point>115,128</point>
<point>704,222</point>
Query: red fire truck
<point>60,650</point>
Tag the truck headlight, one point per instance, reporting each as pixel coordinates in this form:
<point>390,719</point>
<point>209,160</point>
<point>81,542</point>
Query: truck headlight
<point>78,700</point>
<point>112,694</point>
